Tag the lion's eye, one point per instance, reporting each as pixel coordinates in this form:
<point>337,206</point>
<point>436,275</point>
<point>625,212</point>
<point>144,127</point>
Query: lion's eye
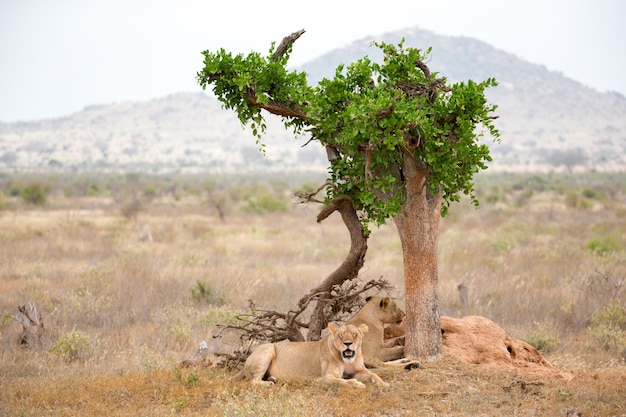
<point>340,335</point>
<point>355,335</point>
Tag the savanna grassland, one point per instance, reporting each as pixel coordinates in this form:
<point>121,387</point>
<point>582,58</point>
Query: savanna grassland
<point>130,273</point>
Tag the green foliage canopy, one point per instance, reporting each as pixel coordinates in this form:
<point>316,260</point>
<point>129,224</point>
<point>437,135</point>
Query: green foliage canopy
<point>370,117</point>
<point>35,193</point>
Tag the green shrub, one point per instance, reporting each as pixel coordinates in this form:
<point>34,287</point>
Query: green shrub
<point>588,193</point>
<point>34,193</point>
<point>151,191</point>
<point>93,190</point>
<point>608,326</point>
<point>580,201</point>
<point>266,203</point>
<point>585,204</point>
<point>544,337</point>
<point>220,315</point>
<point>4,319</point>
<point>204,292</point>
<point>15,190</point>
<point>71,346</point>
<point>603,245</point>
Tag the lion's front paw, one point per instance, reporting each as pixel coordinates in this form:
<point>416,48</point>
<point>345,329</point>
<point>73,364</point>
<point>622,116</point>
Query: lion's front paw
<point>355,383</point>
<point>267,383</point>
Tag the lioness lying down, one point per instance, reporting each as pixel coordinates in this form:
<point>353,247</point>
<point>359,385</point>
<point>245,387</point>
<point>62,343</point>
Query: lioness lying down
<point>377,352</point>
<point>337,358</point>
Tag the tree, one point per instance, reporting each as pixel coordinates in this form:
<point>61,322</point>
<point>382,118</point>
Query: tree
<point>401,142</point>
<point>571,158</point>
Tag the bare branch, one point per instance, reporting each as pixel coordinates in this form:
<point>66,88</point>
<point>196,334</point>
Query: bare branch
<point>424,68</point>
<point>341,303</point>
<point>33,330</point>
<point>310,197</point>
<point>286,44</point>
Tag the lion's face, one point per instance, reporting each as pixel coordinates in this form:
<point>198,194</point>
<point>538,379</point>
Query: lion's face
<point>347,339</point>
<point>386,310</point>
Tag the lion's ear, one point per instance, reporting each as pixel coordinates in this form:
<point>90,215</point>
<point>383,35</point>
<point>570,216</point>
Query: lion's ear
<point>332,327</point>
<point>385,302</point>
<point>363,328</point>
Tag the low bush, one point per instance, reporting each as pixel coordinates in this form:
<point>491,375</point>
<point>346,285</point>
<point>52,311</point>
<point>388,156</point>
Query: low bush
<point>220,315</point>
<point>608,326</point>
<point>35,193</point>
<point>72,346</point>
<point>603,245</point>
<point>266,203</point>
<point>543,337</point>
<point>204,292</point>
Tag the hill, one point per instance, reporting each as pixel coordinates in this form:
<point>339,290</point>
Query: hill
<point>184,132</point>
<point>546,121</point>
<point>545,117</point>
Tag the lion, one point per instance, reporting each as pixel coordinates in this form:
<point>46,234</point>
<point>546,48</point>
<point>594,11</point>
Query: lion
<point>377,352</point>
<point>336,358</point>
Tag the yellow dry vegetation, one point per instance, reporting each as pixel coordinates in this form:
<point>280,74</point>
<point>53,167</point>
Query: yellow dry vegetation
<point>145,291</point>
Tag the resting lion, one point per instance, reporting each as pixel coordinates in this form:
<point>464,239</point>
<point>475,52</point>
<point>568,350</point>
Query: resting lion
<point>336,358</point>
<point>378,353</point>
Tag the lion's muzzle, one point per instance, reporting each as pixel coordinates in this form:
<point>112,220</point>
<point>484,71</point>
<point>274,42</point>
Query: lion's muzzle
<point>348,353</point>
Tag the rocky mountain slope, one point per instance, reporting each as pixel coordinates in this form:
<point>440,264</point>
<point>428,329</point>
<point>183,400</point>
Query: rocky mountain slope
<point>546,121</point>
<point>183,132</point>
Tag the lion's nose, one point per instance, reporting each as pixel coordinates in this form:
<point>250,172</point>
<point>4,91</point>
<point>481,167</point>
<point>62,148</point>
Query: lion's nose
<point>348,344</point>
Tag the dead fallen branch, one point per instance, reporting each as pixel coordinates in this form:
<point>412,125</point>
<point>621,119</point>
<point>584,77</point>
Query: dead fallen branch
<point>268,326</point>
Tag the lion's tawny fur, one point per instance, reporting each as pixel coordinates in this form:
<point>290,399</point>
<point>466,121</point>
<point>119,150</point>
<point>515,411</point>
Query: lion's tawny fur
<point>377,312</point>
<point>323,360</point>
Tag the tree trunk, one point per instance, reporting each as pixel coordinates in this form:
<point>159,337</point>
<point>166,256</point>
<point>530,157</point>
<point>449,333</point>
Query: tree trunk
<point>418,228</point>
<point>348,270</point>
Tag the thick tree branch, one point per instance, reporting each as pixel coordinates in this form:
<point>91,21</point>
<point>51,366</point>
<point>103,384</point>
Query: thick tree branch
<point>273,106</point>
<point>276,107</point>
<point>350,267</point>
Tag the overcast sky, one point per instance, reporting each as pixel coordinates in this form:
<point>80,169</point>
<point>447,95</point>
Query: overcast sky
<point>58,56</point>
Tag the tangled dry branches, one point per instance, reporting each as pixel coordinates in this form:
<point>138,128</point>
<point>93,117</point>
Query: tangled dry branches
<point>269,326</point>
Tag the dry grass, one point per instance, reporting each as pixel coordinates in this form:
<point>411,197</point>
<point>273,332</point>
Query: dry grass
<point>526,260</point>
<point>445,388</point>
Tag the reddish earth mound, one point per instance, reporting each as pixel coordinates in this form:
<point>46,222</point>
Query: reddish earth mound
<point>478,340</point>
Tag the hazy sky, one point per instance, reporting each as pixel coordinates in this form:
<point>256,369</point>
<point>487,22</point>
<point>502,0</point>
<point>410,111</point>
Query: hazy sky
<point>58,56</point>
